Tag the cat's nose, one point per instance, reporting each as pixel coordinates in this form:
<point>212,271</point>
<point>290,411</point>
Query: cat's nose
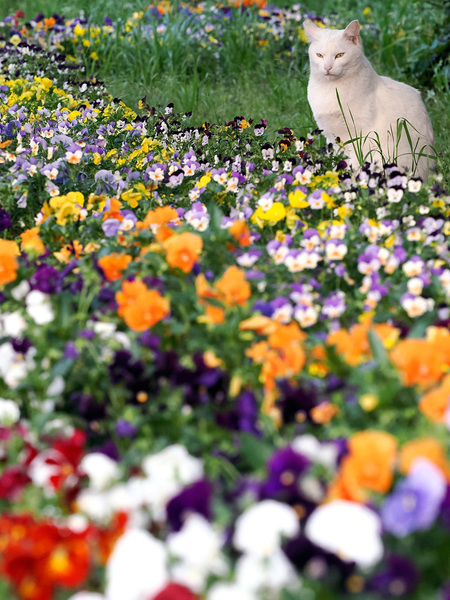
<point>328,68</point>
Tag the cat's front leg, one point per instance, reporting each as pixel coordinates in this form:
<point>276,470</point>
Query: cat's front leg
<point>350,156</point>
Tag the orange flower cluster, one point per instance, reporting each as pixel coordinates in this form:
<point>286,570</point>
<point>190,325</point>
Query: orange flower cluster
<point>424,361</point>
<point>281,355</point>
<point>368,467</point>
<point>38,556</point>
<point>140,307</point>
<point>258,3</point>
<point>373,456</point>
<point>353,344</point>
<point>436,403</point>
<point>232,289</point>
<point>183,250</point>
<point>158,218</point>
<point>114,264</point>
<point>8,263</point>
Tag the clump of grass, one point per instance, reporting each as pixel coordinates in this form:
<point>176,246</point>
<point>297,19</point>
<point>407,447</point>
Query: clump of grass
<point>369,148</point>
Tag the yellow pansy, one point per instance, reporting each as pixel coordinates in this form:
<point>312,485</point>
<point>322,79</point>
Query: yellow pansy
<point>297,199</point>
<point>390,241</point>
<point>275,213</point>
<point>344,211</point>
<point>73,115</point>
<point>66,206</point>
<point>205,180</point>
<point>79,30</point>
<point>291,218</point>
<point>131,197</point>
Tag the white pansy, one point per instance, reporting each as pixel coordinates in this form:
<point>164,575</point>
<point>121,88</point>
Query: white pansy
<point>21,290</point>
<point>120,498</point>
<point>137,567</point>
<point>415,286</point>
<point>260,529</point>
<point>9,412</point>
<point>173,463</point>
<point>309,446</point>
<point>12,324</point>
<point>39,307</point>
<point>257,573</point>
<point>56,387</point>
<point>100,469</point>
<point>45,466</point>
<point>228,591</point>
<point>94,504</point>
<point>349,530</point>
<point>198,546</point>
<point>77,523</point>
<point>106,330</point>
<point>13,365</point>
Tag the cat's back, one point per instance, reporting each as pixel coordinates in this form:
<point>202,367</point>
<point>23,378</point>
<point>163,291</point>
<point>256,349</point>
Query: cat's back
<point>396,89</point>
<point>398,100</point>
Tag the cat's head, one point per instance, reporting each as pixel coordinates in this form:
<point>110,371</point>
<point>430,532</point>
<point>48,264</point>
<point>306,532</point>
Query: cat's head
<point>333,52</point>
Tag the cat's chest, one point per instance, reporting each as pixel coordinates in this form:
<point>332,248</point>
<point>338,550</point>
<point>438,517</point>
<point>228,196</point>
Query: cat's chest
<point>337,104</point>
<point>330,98</point>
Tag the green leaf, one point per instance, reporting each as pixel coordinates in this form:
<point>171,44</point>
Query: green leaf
<point>254,451</point>
<point>378,350</point>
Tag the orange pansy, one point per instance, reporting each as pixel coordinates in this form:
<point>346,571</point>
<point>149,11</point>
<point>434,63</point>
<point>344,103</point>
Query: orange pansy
<point>147,309</point>
<point>369,466</point>
<point>422,361</point>
<point>233,286</point>
<point>323,413</point>
<point>259,323</point>
<point>282,355</point>
<point>114,210</point>
<point>435,404</point>
<point>8,263</point>
<point>426,447</point>
<point>130,290</point>
<point>354,344</point>
<point>114,264</point>
<point>183,250</point>
<point>241,233</point>
<point>31,241</point>
<point>214,314</point>
<point>160,216</point>
<point>140,307</point>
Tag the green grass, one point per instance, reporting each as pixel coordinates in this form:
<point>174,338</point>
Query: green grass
<point>249,82</point>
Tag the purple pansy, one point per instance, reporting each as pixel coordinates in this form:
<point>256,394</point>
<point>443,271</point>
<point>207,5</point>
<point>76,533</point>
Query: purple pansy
<point>196,498</point>
<point>416,501</point>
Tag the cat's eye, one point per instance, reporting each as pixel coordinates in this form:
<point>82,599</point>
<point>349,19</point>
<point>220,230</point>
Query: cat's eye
<point>319,55</point>
<point>340,55</point>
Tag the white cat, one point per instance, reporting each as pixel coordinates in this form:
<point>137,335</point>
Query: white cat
<point>350,101</point>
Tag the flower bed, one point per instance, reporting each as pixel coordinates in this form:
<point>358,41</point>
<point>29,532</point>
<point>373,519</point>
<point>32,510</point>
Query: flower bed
<point>223,356</point>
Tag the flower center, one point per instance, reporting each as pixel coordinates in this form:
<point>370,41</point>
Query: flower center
<point>287,478</point>
<point>409,502</point>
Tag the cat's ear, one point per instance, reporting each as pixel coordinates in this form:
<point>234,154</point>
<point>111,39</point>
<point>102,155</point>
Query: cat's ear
<point>351,32</point>
<point>312,31</point>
